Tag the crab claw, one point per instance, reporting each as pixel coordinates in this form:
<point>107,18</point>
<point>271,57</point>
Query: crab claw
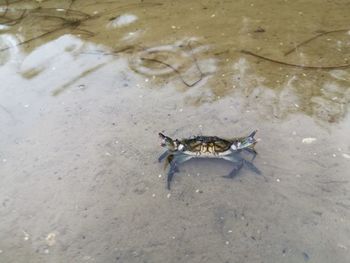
<point>253,134</point>
<point>167,142</point>
<point>163,137</point>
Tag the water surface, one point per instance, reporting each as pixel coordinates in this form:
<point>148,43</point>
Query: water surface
<point>87,85</point>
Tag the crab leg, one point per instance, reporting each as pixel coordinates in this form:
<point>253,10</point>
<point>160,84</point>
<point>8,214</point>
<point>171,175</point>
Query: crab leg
<point>235,158</point>
<point>251,166</point>
<point>248,164</point>
<point>168,161</point>
<point>176,161</point>
<point>251,151</point>
<point>172,170</point>
<point>163,155</point>
<point>234,171</point>
<point>252,134</point>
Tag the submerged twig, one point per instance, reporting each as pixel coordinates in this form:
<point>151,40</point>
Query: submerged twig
<point>113,53</point>
<point>128,5</point>
<point>65,10</point>
<point>84,32</point>
<point>177,71</point>
<point>293,65</point>
<point>12,22</point>
<point>70,5</point>
<point>313,38</point>
<point>7,8</point>
<point>32,39</point>
<point>67,23</point>
<point>196,63</point>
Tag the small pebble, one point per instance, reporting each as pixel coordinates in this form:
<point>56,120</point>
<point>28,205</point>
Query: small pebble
<point>26,236</point>
<point>347,156</point>
<point>227,242</point>
<point>197,191</point>
<point>278,180</point>
<point>51,239</point>
<point>308,140</point>
<point>230,231</point>
<point>153,195</point>
<point>160,176</point>
<point>342,246</point>
<point>168,195</point>
<point>334,155</point>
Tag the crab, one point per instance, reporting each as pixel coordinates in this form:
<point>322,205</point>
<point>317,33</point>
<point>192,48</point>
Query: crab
<point>180,151</point>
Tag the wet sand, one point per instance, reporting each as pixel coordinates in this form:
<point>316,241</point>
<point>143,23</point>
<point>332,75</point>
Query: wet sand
<point>86,87</point>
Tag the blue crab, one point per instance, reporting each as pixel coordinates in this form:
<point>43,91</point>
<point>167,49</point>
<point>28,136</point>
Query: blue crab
<point>180,151</point>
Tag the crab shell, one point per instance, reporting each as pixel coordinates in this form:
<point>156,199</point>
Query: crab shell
<point>206,146</point>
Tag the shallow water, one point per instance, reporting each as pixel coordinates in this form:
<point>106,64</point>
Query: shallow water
<point>87,85</point>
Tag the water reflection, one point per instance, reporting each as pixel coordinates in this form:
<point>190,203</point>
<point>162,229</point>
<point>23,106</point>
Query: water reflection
<point>216,68</point>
